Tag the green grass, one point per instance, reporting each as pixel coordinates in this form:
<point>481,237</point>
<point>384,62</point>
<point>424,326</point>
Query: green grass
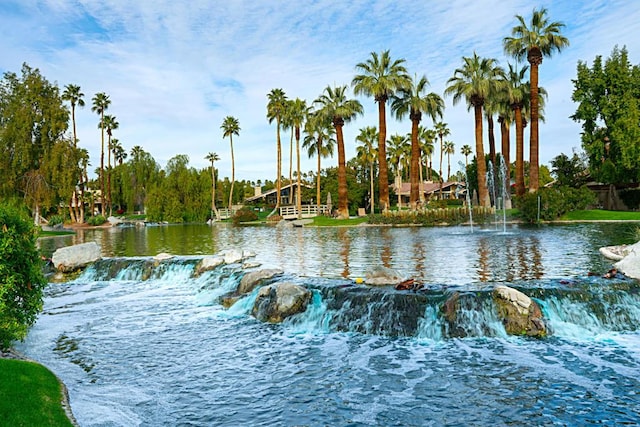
<point>30,395</point>
<point>324,221</point>
<point>43,233</point>
<point>601,215</point>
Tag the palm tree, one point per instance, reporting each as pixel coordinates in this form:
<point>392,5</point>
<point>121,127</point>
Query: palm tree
<point>534,41</point>
<point>516,94</point>
<point>213,157</point>
<point>297,114</point>
<point>466,150</point>
<point>474,81</point>
<point>449,149</point>
<point>368,154</point>
<point>427,138</point>
<point>101,103</point>
<point>119,153</point>
<point>319,141</point>
<point>442,130</point>
<point>109,123</point>
<point>413,101</point>
<point>230,127</point>
<point>83,156</point>
<point>73,94</point>
<point>275,111</point>
<point>333,103</point>
<point>381,78</point>
<point>399,152</point>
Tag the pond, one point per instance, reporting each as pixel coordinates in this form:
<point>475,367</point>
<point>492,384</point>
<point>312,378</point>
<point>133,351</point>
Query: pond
<point>161,350</point>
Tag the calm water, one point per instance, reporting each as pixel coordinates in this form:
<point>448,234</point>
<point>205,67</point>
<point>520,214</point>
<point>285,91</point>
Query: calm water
<point>164,352</point>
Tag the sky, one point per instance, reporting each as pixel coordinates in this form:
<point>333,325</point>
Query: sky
<point>174,69</point>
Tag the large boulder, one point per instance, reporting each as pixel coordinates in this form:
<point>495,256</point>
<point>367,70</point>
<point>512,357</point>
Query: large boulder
<point>231,256</point>
<point>208,263</point>
<point>71,258</point>
<point>255,278</point>
<point>630,264</point>
<point>382,276</point>
<point>520,314</point>
<point>278,301</point>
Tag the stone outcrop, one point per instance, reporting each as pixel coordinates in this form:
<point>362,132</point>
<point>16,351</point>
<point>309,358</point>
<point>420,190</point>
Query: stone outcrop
<point>231,256</point>
<point>71,258</point>
<point>630,264</point>
<point>382,276</point>
<point>278,301</point>
<point>255,278</point>
<point>520,315</point>
<point>208,263</point>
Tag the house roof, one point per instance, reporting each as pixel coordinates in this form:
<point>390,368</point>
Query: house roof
<point>427,187</point>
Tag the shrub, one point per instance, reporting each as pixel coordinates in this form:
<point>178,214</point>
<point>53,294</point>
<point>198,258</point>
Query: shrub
<point>96,220</point>
<point>21,277</point>
<point>631,198</point>
<point>554,202</point>
<point>245,215</point>
<point>55,220</point>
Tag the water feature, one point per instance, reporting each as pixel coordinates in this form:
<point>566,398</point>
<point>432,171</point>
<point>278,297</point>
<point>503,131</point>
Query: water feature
<point>138,348</point>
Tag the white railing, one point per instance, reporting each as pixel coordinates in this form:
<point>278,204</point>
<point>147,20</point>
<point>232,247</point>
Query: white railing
<point>306,211</point>
<point>225,213</point>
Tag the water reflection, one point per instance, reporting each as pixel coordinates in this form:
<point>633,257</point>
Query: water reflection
<point>432,255</point>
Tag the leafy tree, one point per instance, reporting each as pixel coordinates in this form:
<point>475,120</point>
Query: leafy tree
<point>413,101</point>
<point>474,81</point>
<point>534,40</point>
<point>333,103</point>
<point>380,78</point>
<point>608,98</point>
<point>230,127</point>
<point>21,278</point>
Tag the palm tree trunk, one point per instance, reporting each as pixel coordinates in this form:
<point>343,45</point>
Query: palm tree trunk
<point>533,138</point>
<point>440,170</point>
<point>383,173</point>
<point>109,174</point>
<point>343,195</point>
<point>318,177</point>
<point>102,194</point>
<point>279,167</point>
<point>291,168</point>
<point>448,166</point>
<point>519,152</point>
<point>371,182</point>
<point>299,198</point>
<point>414,170</point>
<point>214,209</point>
<point>233,175</point>
<point>505,142</point>
<point>483,192</point>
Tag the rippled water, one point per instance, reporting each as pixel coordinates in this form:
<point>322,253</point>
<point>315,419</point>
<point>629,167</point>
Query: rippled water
<point>163,352</point>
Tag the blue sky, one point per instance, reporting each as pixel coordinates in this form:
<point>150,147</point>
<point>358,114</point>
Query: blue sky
<point>175,68</point>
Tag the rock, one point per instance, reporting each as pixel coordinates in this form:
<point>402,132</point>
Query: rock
<point>163,256</point>
<point>114,220</point>
<point>283,223</point>
<point>255,278</point>
<point>630,264</point>
<point>276,302</point>
<point>248,254</point>
<point>250,265</point>
<point>71,258</point>
<point>208,263</point>
<point>232,256</point>
<point>520,314</point>
<point>301,222</point>
<point>382,276</point>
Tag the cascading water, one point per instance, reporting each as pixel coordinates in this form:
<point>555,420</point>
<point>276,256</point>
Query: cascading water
<point>145,342</point>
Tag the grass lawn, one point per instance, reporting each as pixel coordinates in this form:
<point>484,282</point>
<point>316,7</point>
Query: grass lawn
<point>43,233</point>
<point>601,215</point>
<point>30,395</point>
<point>324,221</point>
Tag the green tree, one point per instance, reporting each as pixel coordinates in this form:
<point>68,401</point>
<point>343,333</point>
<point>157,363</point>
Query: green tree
<point>73,94</point>
<point>474,81</point>
<point>442,130</point>
<point>213,157</point>
<point>608,97</point>
<point>368,154</point>
<point>399,155</point>
<point>333,103</point>
<point>109,123</point>
<point>21,279</point>
<point>413,101</point>
<point>534,40</point>
<point>380,78</point>
<point>319,141</point>
<point>449,149</point>
<point>466,150</point>
<point>297,113</point>
<point>230,127</point>
<point>275,111</point>
<point>426,138</point>
<point>101,103</point>
<point>569,172</point>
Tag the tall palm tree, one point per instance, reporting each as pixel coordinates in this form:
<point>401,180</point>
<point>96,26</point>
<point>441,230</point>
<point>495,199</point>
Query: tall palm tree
<point>427,138</point>
<point>213,157</point>
<point>297,113</point>
<point>466,150</point>
<point>516,94</point>
<point>230,127</point>
<point>83,156</point>
<point>442,130</point>
<point>101,103</point>
<point>474,81</point>
<point>449,149</point>
<point>119,153</point>
<point>73,94</point>
<point>109,123</point>
<point>333,103</point>
<point>399,154</point>
<point>275,111</point>
<point>380,78</point>
<point>534,41</point>
<point>413,101</point>
<point>319,141</point>
<point>368,154</point>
